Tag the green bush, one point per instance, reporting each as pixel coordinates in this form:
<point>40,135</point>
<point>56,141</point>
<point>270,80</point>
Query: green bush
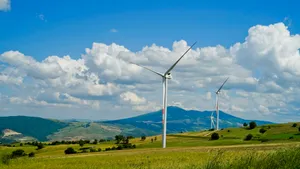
<point>5,158</point>
<point>119,147</point>
<point>294,125</point>
<point>248,137</point>
<point>262,130</point>
<point>32,154</point>
<point>99,149</point>
<point>214,136</point>
<point>143,138</point>
<point>40,146</point>
<point>245,124</point>
<point>18,153</point>
<point>252,125</point>
<point>70,150</point>
<point>93,150</point>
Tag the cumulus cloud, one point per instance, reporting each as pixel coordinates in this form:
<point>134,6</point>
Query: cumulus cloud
<point>4,5</point>
<point>132,98</point>
<point>114,30</point>
<point>264,74</point>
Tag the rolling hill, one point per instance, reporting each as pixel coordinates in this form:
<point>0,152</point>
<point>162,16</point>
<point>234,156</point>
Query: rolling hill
<point>179,120</point>
<point>182,120</point>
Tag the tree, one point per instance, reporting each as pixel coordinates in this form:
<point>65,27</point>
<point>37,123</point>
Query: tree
<point>299,129</point>
<point>81,143</point>
<point>21,144</point>
<point>70,150</point>
<point>252,125</point>
<point>119,138</point>
<point>126,141</point>
<point>294,125</point>
<point>245,124</point>
<point>18,153</point>
<point>262,130</point>
<point>143,138</point>
<point>95,141</point>
<point>151,140</point>
<point>155,138</point>
<point>40,146</point>
<point>248,137</point>
<point>214,136</point>
<point>32,154</point>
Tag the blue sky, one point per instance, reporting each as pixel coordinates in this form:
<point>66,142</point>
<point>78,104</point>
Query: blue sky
<point>68,56</point>
<point>71,26</point>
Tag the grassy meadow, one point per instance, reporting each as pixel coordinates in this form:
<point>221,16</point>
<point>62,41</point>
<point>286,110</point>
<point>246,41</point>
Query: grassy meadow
<point>278,147</point>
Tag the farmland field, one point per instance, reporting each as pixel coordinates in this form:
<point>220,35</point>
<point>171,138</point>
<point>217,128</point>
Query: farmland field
<point>185,150</point>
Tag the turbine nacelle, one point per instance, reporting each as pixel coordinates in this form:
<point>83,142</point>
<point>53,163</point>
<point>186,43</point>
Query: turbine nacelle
<point>168,75</point>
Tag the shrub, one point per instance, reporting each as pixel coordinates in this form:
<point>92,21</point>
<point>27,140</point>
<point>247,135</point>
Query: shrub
<point>40,146</point>
<point>5,158</point>
<point>248,137</point>
<point>155,138</point>
<point>70,150</point>
<point>252,125</point>
<point>93,150</point>
<point>32,154</point>
<point>119,148</point>
<point>264,140</point>
<point>95,141</point>
<point>294,125</point>
<point>113,148</point>
<point>228,131</point>
<point>99,149</point>
<point>214,136</point>
<point>299,129</point>
<point>81,143</point>
<point>245,124</point>
<point>18,153</point>
<point>262,130</point>
<point>107,149</point>
<point>143,138</point>
<point>291,137</point>
<point>21,144</point>
<point>211,129</point>
<point>134,146</point>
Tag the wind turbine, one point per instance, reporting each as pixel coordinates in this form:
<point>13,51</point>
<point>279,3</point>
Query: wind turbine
<point>165,77</point>
<point>212,122</point>
<point>217,102</point>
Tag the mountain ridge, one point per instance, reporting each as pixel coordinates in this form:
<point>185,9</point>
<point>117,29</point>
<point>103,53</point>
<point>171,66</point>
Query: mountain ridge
<point>179,120</point>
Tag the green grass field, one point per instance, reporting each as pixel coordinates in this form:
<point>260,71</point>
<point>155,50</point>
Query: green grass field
<point>184,150</point>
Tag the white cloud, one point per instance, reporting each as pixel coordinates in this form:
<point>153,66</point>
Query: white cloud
<point>132,98</point>
<point>4,5</point>
<point>113,30</point>
<point>264,76</point>
<point>41,17</point>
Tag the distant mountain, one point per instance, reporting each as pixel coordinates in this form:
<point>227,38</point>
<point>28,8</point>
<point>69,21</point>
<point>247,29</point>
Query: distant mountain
<point>18,127</point>
<point>36,127</point>
<point>182,120</point>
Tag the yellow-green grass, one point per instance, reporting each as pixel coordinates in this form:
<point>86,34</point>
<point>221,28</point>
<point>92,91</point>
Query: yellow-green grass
<point>185,150</point>
<point>190,157</point>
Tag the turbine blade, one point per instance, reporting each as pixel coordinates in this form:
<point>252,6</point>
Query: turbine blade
<point>148,69</point>
<point>169,70</point>
<point>222,85</point>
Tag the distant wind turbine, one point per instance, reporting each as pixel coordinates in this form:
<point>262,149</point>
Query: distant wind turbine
<point>165,77</point>
<point>217,102</point>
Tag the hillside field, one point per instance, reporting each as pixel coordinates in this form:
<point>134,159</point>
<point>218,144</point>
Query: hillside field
<point>184,150</point>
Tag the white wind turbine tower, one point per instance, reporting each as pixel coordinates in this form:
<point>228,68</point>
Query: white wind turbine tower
<point>212,122</point>
<point>165,77</point>
<point>217,102</point>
